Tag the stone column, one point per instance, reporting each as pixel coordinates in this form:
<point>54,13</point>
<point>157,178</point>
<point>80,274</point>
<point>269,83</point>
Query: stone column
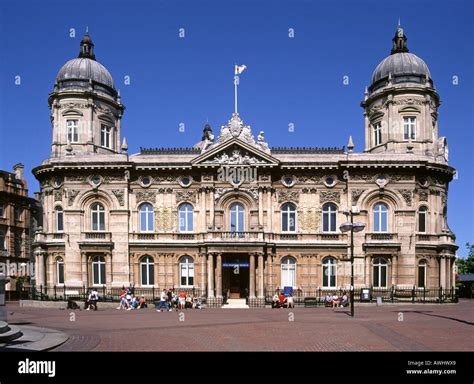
<point>395,270</point>
<point>203,212</point>
<point>367,271</point>
<point>83,268</point>
<point>260,207</point>
<point>203,270</point>
<point>219,275</point>
<point>442,262</point>
<point>210,275</point>
<point>448,273</point>
<point>211,209</point>
<point>40,269</point>
<point>269,211</point>
<point>252,276</point>
<point>260,276</point>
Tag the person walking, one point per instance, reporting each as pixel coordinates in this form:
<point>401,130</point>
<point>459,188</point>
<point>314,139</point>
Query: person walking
<point>163,298</point>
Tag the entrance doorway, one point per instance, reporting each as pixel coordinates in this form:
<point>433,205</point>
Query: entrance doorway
<point>235,276</point>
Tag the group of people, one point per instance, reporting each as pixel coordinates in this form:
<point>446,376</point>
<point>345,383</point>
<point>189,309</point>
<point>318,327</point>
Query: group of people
<point>92,299</point>
<point>129,301</point>
<point>170,300</point>
<point>331,300</point>
<point>282,301</point>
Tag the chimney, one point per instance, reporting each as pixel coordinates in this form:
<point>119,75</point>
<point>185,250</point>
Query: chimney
<point>19,170</point>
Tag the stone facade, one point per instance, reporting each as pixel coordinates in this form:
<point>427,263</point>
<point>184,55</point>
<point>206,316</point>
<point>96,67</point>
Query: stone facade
<point>232,205</point>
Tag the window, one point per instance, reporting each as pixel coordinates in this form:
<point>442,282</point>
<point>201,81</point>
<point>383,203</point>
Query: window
<point>288,272</point>
<point>147,269</point>
<point>409,128</point>
<point>105,136</point>
<point>2,241</point>
<point>98,217</point>
<point>377,133</point>
<point>98,270</point>
<point>146,218</point>
<point>18,212</point>
<point>422,219</point>
<point>288,217</point>
<point>59,213</point>
<point>60,270</point>
<point>329,217</point>
<point>17,244</point>
<point>329,272</point>
<point>380,218</point>
<point>422,274</point>
<point>186,271</point>
<point>2,210</point>
<point>380,273</point>
<point>72,131</point>
<point>186,217</point>
<point>236,217</point>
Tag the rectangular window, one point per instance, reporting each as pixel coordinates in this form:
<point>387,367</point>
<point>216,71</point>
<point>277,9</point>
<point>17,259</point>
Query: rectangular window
<point>421,276</point>
<point>2,210</point>
<point>18,214</point>
<point>60,273</point>
<point>105,136</point>
<point>59,221</point>
<point>99,273</point>
<point>422,221</point>
<point>409,128</point>
<point>377,133</point>
<point>72,131</point>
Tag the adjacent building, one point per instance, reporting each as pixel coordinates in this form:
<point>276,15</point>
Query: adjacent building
<point>234,216</point>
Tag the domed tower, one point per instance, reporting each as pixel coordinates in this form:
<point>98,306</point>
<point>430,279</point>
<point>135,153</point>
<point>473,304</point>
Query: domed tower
<point>401,106</point>
<point>86,110</point>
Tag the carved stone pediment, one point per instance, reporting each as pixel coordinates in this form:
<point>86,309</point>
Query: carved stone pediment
<point>290,195</point>
<point>185,195</point>
<point>329,196</point>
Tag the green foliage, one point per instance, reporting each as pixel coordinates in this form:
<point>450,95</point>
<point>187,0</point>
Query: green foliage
<point>467,265</point>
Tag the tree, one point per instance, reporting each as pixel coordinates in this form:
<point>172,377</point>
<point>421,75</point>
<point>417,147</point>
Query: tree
<point>467,265</point>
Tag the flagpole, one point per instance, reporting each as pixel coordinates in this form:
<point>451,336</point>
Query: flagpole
<point>235,89</point>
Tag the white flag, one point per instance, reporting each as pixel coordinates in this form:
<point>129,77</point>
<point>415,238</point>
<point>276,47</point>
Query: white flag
<point>239,69</point>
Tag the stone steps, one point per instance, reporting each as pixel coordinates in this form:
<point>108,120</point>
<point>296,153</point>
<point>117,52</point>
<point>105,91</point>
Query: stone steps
<point>9,333</point>
<point>36,339</point>
<point>235,304</point>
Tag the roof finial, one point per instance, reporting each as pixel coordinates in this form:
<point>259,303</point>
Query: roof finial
<point>87,47</point>
<point>87,28</point>
<point>399,40</point>
<point>350,145</point>
<point>398,23</point>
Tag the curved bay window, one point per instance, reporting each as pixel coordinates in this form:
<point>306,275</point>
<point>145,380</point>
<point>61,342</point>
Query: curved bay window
<point>59,215</point>
<point>186,217</point>
<point>98,270</point>
<point>186,272</point>
<point>288,272</point>
<point>422,274</point>
<point>379,278</point>
<point>422,215</point>
<point>288,217</point>
<point>329,272</point>
<point>98,217</point>
<point>237,217</point>
<point>146,218</point>
<point>60,270</point>
<point>147,271</point>
<point>380,217</point>
<point>329,217</point>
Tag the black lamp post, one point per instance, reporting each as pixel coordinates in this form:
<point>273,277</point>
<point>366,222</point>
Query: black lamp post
<point>352,227</point>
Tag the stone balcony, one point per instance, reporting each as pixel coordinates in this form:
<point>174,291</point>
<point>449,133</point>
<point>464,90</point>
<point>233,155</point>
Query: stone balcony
<point>381,239</point>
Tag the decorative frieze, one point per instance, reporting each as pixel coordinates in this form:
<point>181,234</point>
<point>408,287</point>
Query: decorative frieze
<point>308,190</point>
<point>58,195</point>
<point>145,196</point>
<point>71,196</point>
<point>119,194</point>
<point>309,219</point>
<point>423,195</point>
<point>185,195</point>
<point>407,195</point>
<point>109,178</point>
<point>355,194</point>
<point>329,196</point>
<point>290,195</point>
<point>165,219</point>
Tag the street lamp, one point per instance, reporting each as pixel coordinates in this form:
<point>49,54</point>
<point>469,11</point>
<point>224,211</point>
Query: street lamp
<point>352,227</point>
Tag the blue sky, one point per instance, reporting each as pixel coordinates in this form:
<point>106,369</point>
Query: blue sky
<point>189,80</point>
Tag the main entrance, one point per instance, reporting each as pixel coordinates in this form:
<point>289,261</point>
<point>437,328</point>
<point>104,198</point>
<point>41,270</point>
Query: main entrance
<point>235,276</point>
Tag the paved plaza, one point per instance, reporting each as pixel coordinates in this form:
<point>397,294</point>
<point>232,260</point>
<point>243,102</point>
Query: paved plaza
<point>404,327</point>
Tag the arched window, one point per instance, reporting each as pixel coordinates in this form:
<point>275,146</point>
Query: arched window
<point>2,210</point>
<point>422,215</point>
<point>2,240</point>
<point>186,271</point>
<point>186,217</point>
<point>422,273</point>
<point>380,272</point>
<point>60,270</point>
<point>147,269</point>
<point>329,272</point>
<point>380,217</point>
<point>59,214</point>
<point>98,270</point>
<point>288,272</point>
<point>288,217</point>
<point>98,217</point>
<point>237,217</point>
<point>146,218</point>
<point>329,217</point>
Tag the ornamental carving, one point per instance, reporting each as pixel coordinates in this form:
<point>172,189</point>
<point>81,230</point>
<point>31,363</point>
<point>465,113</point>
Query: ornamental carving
<point>108,179</point>
<point>355,194</point>
<point>71,196</point>
<point>146,196</point>
<point>221,191</point>
<point>407,195</point>
<point>45,183</point>
<point>165,179</point>
<point>236,157</point>
<point>165,190</point>
<point>74,105</point>
<point>309,219</point>
<point>423,195</point>
<point>165,219</point>
<point>444,199</point>
<point>206,177</point>
<point>119,194</point>
<point>362,176</point>
<point>82,178</point>
<point>265,177</point>
<point>309,190</point>
<point>398,177</point>
<point>409,101</point>
<point>309,179</point>
<point>329,196</point>
<point>185,195</point>
<point>288,196</point>
<point>58,195</point>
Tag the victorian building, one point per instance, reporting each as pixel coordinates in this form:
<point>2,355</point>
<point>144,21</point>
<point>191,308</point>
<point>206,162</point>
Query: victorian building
<point>233,215</point>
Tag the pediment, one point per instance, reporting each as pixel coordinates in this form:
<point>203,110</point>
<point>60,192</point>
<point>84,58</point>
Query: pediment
<point>235,152</point>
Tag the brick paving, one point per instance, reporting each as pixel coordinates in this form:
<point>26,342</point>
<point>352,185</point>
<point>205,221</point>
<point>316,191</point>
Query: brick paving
<point>387,328</point>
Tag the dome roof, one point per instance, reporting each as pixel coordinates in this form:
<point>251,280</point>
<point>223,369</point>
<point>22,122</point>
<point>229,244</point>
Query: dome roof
<point>85,69</point>
<point>79,72</point>
<point>401,66</point>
